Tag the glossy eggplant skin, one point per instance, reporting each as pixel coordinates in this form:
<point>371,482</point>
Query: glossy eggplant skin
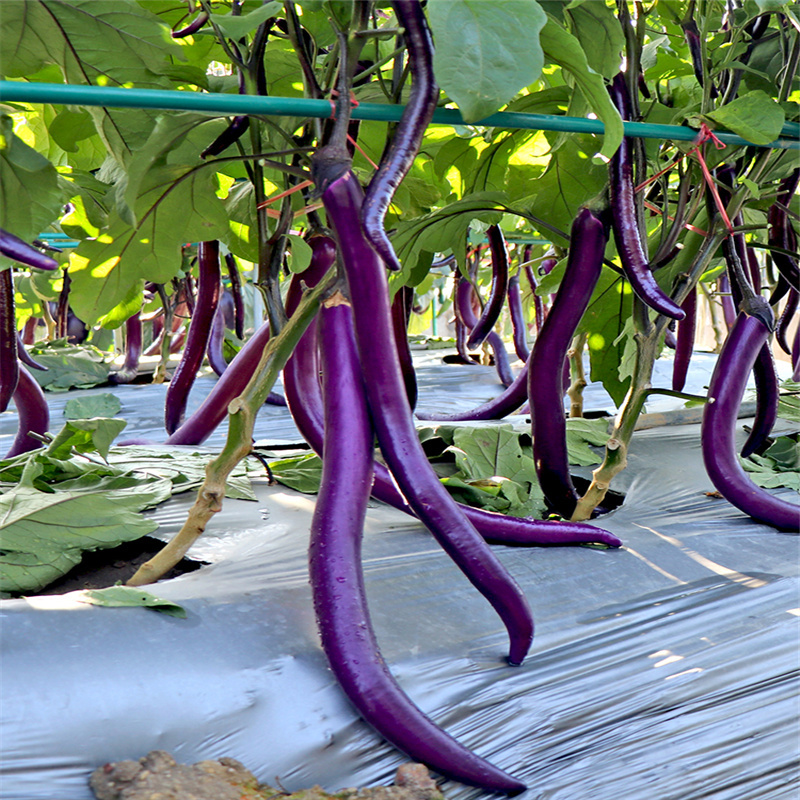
<point>401,152</point>
<point>9,363</point>
<point>19,250</point>
<point>401,313</point>
<point>545,381</point>
<point>337,580</point>
<point>684,344</point>
<point>497,294</point>
<point>394,424</point>
<point>626,231</point>
<point>236,292</point>
<point>33,413</point>
<point>197,428</point>
<point>718,430</point>
<point>197,338</point>
<point>765,374</point>
<point>517,319</point>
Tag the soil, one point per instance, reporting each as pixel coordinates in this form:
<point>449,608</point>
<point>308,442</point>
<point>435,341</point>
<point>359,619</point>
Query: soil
<point>158,776</point>
<point>102,568</point>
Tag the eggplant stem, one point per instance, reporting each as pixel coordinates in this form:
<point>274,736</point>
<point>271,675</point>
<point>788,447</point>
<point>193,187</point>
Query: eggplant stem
<point>242,413</point>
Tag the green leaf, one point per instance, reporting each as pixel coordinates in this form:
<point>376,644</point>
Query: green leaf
<point>86,436</point>
<point>130,597</point>
<point>69,366</point>
<point>785,452</point>
<point>478,60</point>
<point>580,434</point>
<point>789,404</point>
<point>30,195</point>
<point>238,27</point>
<point>299,253</point>
<point>598,30</point>
<point>754,116</point>
<point>571,179</point>
<point>562,48</point>
<point>42,536</point>
<point>301,473</point>
<point>70,127</point>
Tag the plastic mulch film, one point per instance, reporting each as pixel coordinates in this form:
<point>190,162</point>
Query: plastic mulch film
<point>666,669</point>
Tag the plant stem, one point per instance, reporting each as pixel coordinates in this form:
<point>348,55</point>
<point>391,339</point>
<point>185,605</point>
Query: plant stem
<point>577,375</point>
<point>242,413</point>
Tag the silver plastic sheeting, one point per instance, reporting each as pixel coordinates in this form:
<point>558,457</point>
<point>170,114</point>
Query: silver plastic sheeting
<point>667,669</point>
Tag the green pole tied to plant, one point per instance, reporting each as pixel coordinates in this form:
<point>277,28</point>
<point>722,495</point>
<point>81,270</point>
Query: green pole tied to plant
<point>233,104</point>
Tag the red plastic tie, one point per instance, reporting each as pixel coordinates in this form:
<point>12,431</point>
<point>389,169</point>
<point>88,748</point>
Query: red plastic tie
<point>705,135</point>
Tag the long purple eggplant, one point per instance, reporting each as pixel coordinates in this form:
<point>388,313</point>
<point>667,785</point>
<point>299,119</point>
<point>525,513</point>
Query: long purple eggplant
<point>463,303</point>
<point>497,294</point>
<point>200,425</point>
<point>235,130</point>
<point>133,351</point>
<point>401,152</point>
<point>765,374</point>
<point>787,315</point>
<point>538,301</point>
<point>401,312</point>
<point>392,417</point>
<point>623,217</point>
<point>304,396</point>
<point>545,369</point>
<point>9,362</point>
<point>194,26</point>
<point>684,344</point>
<point>18,250</point>
<point>26,358</point>
<point>236,293</point>
<point>197,338</point>
<point>214,352</point>
<point>33,413</point>
<point>337,579</point>
<point>718,430</point>
<point>517,315</point>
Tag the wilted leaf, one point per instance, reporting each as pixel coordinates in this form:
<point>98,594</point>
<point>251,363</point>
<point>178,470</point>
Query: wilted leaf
<point>130,597</point>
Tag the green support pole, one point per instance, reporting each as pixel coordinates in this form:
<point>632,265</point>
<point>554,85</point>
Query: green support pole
<point>232,104</point>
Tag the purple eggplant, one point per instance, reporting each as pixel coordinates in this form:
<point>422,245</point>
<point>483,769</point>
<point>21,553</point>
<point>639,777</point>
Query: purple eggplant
<point>235,130</point>
<point>497,294</point>
<point>133,351</point>
<point>787,315</point>
<point>684,344</point>
<point>26,358</point>
<point>197,338</point>
<point>392,417</point>
<point>337,579</point>
<point>765,374</point>
<point>718,431</point>
<point>517,315</point>
<point>545,376</point>
<point>305,403</point>
<point>9,363</point>
<point>198,22</point>
<point>18,250</point>
<point>401,152</point>
<point>632,254</point>
<point>401,312</point>
<point>216,359</point>
<point>538,302</point>
<point>464,296</point>
<point>236,292</point>
<point>33,413</point>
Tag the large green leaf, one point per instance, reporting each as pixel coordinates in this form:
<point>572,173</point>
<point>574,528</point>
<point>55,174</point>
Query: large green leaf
<point>570,180</point>
<point>598,30</point>
<point>43,535</point>
<point>69,366</point>
<point>177,205</point>
<point>302,473</point>
<point>755,116</point>
<point>478,60</point>
<point>562,48</point>
<point>30,195</point>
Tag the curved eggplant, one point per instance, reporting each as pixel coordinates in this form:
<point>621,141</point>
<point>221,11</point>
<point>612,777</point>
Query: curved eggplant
<point>545,377</point>
<point>684,343</point>
<point>718,430</point>
<point>401,152</point>
<point>768,392</point>
<point>394,422</point>
<point>26,358</point>
<point>517,315</point>
<point>623,217</point>
<point>787,315</point>
<point>214,354</point>
<point>192,27</point>
<point>9,362</point>
<point>236,129</point>
<point>19,250</point>
<point>337,580</point>
<point>401,312</point>
<point>33,413</point>
<point>197,338</point>
<point>497,295</point>
<point>236,292</point>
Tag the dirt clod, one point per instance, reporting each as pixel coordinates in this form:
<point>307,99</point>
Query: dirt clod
<point>158,776</point>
